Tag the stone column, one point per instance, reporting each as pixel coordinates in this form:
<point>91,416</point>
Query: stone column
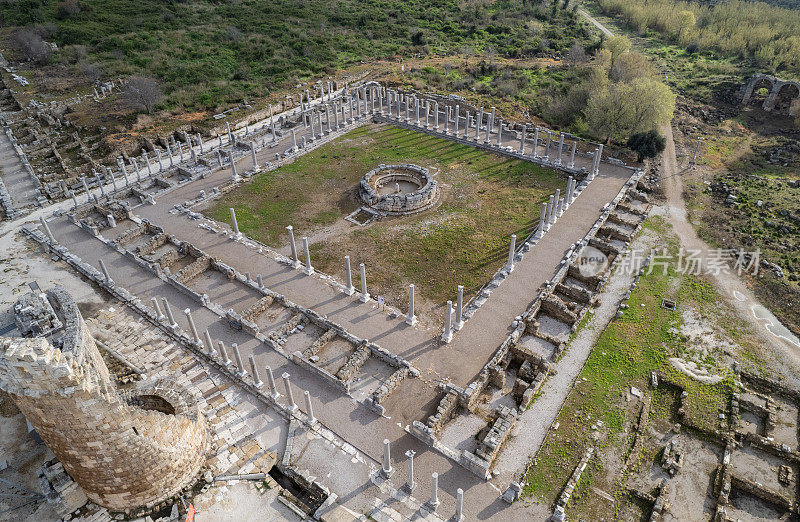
<point>386,469</point>
<point>459,505</point>
<point>319,124</point>
<point>200,142</point>
<point>235,223</point>
<point>570,190</point>
<point>416,110</point>
<point>556,199</point>
<point>168,310</point>
<point>86,188</point>
<point>209,344</point>
<point>105,272</point>
<point>349,289</point>
<point>309,408</point>
<point>47,230</point>
<point>289,397</point>
<point>364,293</point>
<point>478,123</point>
<point>410,479</point>
<point>411,319</point>
<point>180,150</point>
<point>550,212</point>
<point>74,199</point>
<point>427,113</point>
<point>271,124</point>
<point>100,184</point>
<point>136,166</point>
<point>455,131</point>
<point>542,222</point>
<point>459,309</point>
<point>436,116</point>
<point>312,137</point>
<point>571,164</point>
<point>260,282</point>
<point>192,327</point>
<point>113,179</point>
<point>308,269</point>
<point>124,171</point>
<point>446,118</point>
<point>560,207</point>
<point>335,116</point>
<point>147,162</point>
<point>500,133</point>
<point>253,156</point>
<point>171,159</point>
<point>433,503</point>
<point>294,140</point>
<point>380,105</point>
<point>560,148</point>
<point>273,390</point>
<point>489,125</point>
<point>408,110</point>
<point>511,252</point>
<point>257,382</point>
<point>535,152</point>
<point>233,166</point>
<point>522,140</point>
<point>159,315</point>
<point>547,146</point>
<point>230,134</point>
<point>447,334</point>
<point>599,159</point>
<point>224,353</point>
<point>328,117</point>
<point>238,357</point>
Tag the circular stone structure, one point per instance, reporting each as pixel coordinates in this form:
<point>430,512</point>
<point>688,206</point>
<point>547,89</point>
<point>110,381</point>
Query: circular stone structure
<point>399,189</point>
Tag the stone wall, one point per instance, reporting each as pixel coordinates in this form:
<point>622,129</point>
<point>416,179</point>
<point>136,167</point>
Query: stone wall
<point>123,456</point>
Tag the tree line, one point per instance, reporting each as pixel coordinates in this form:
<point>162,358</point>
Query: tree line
<point>767,34</point>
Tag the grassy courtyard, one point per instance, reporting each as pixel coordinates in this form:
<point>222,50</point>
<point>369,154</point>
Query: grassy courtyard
<point>484,199</point>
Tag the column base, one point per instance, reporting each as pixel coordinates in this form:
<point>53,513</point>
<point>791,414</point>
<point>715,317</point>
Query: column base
<point>349,290</point>
<point>458,325</point>
<point>387,473</point>
<point>411,321</point>
<point>258,384</point>
<point>364,298</point>
<point>308,270</point>
<point>432,505</point>
<point>447,337</point>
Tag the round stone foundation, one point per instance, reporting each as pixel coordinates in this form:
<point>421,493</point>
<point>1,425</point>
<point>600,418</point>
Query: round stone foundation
<point>399,189</point>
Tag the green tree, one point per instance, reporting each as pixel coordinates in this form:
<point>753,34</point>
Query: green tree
<point>618,45</point>
<point>647,144</point>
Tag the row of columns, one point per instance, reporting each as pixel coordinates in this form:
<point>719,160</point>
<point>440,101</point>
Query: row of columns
<point>476,123</point>
<point>433,502</point>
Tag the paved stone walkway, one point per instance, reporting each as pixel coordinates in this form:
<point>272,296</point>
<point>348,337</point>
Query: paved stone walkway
<point>18,182</point>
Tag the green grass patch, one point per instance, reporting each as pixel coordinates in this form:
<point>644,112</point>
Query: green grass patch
<point>485,198</point>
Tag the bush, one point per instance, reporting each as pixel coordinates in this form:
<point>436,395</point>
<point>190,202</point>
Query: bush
<point>647,144</point>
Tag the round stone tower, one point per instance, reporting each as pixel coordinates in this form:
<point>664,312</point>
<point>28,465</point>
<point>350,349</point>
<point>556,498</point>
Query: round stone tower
<point>125,451</point>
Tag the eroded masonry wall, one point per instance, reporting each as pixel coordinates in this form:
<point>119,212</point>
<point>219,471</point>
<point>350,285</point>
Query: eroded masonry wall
<point>122,455</point>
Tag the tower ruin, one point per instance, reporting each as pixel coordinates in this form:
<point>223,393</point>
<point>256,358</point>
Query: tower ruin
<point>125,450</point>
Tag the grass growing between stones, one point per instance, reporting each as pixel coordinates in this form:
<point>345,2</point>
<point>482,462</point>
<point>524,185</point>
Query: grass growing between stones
<point>484,199</point>
<point>598,411</point>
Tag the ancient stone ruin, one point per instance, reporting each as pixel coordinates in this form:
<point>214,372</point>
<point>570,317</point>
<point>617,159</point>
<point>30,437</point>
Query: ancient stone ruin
<point>126,450</point>
<point>780,93</point>
<point>399,189</point>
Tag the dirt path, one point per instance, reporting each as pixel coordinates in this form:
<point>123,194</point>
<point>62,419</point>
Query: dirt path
<point>728,284</point>
<point>597,24</point>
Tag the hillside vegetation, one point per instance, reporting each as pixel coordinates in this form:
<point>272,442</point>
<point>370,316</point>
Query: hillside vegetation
<point>207,53</point>
<point>767,35</point>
